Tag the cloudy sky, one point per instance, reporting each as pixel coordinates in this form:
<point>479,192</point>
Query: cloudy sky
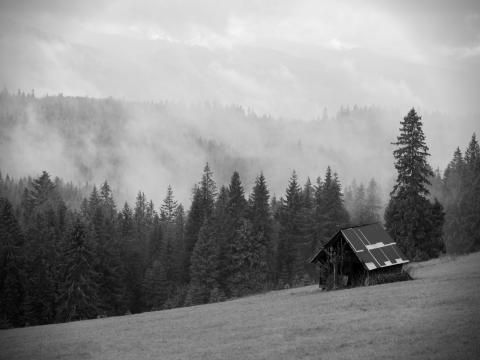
<point>286,58</point>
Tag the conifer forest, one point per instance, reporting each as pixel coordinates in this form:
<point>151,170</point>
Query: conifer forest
<point>73,250</point>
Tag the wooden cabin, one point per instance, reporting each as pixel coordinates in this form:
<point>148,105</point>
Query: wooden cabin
<point>360,255</point>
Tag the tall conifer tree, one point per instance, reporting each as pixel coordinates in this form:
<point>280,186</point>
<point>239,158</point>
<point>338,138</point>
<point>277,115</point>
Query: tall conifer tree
<point>260,217</point>
<point>408,216</point>
<point>77,296</point>
<point>11,265</point>
<point>204,265</point>
<point>289,236</point>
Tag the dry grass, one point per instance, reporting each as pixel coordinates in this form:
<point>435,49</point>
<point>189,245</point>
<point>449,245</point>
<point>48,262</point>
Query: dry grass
<point>436,316</point>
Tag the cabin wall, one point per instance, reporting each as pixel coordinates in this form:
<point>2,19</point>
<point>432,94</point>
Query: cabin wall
<point>387,275</point>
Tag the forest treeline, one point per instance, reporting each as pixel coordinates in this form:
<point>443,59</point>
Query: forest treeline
<point>61,263</point>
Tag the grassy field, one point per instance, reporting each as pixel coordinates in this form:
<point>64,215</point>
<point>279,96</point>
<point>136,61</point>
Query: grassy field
<point>436,316</point>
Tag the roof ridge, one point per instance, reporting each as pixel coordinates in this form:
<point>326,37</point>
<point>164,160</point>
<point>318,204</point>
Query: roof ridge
<point>362,225</point>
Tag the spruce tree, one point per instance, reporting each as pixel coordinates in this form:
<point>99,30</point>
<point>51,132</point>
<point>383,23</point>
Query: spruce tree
<point>204,265</point>
<point>373,203</point>
<point>456,238</point>
<point>155,285</point>
<point>236,205</point>
<point>11,266</point>
<point>77,296</point>
<point>131,259</point>
<point>108,262</point>
<point>470,197</point>
<point>408,216</point>
<point>307,232</point>
<point>193,224</point>
<point>142,228</point>
<point>236,208</point>
<point>179,245</point>
<point>289,236</point>
<point>208,191</point>
<point>169,207</point>
<point>170,258</point>
<point>45,213</point>
<point>359,206</point>
<point>106,202</point>
<point>472,155</point>
<point>247,261</point>
<point>222,230</point>
<point>453,177</point>
<point>201,210</point>
<point>330,212</point>
<point>260,216</point>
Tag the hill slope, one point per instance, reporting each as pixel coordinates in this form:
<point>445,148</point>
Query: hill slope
<point>435,316</point>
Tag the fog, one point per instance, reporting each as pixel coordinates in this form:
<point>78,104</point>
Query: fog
<point>271,71</point>
<point>145,146</point>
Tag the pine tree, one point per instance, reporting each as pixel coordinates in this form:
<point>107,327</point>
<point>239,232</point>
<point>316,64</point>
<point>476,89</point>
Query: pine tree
<point>193,224</point>
<point>330,212</point>
<point>179,245</point>
<point>470,197</point>
<point>437,187</point>
<point>45,213</point>
<point>472,155</point>
<point>155,285</point>
<point>201,210</point>
<point>411,159</point>
<point>133,262</point>
<point>204,265</point>
<point>168,213</point>
<point>125,219</point>
<point>156,245</point>
<point>236,208</point>
<point>359,206</point>
<point>306,219</point>
<point>169,206</point>
<point>456,238</point>
<point>260,217</point>
<point>453,177</point>
<point>11,265</point>
<point>289,236</point>
<point>434,243</point>
<point>93,202</point>
<point>236,205</point>
<point>108,263</point>
<point>222,230</point>
<point>141,223</point>
<point>373,203</point>
<point>247,261</point>
<point>43,190</point>
<point>349,198</point>
<point>77,296</point>
<point>408,216</point>
<point>106,201</point>
<point>208,191</point>
<point>150,214</point>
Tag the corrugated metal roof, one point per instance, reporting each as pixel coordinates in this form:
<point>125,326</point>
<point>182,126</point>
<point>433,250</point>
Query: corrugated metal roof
<point>372,245</point>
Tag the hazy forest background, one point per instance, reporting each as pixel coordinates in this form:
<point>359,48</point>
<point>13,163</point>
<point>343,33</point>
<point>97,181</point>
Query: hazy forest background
<point>146,206</point>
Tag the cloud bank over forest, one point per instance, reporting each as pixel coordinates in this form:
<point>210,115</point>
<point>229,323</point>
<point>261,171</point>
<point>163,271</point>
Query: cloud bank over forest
<point>284,59</point>
<point>147,146</point>
<point>284,62</point>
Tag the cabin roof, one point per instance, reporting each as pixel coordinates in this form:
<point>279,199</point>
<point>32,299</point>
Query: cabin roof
<point>371,244</point>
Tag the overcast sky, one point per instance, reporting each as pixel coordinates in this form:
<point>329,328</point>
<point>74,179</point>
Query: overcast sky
<point>288,59</point>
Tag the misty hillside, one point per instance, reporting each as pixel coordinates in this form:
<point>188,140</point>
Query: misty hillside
<point>435,317</point>
<point>150,145</point>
